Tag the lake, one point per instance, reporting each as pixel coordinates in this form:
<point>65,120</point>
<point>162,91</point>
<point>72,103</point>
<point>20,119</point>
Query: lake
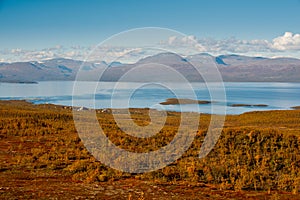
<point>278,96</point>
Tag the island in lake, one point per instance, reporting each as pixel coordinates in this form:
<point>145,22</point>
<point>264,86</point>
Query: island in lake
<point>176,101</point>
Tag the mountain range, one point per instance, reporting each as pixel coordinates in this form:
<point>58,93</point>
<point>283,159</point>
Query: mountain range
<point>233,68</point>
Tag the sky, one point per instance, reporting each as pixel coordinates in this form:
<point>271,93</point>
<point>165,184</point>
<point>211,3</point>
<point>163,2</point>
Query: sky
<point>41,29</point>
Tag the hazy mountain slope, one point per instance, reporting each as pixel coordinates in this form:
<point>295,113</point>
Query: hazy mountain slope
<point>54,69</point>
<point>160,66</point>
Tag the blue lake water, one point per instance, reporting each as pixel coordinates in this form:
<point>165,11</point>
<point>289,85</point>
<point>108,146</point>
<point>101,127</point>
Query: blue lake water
<point>277,96</point>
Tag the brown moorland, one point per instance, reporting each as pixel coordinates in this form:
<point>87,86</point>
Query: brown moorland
<point>42,157</point>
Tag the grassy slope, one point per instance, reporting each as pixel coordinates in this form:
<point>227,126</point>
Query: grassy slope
<point>41,156</point>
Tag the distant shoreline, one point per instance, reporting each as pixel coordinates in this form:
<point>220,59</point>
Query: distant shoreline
<point>115,81</point>
<point>109,110</point>
<point>21,82</point>
<point>296,107</point>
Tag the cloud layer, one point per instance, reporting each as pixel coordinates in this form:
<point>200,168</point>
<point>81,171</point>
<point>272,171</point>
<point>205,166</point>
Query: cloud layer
<point>288,41</point>
<point>287,44</point>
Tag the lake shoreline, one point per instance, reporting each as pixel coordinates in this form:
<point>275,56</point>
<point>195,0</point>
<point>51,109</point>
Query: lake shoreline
<point>109,110</point>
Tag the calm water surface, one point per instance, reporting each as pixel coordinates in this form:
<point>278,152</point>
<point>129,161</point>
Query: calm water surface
<point>122,95</point>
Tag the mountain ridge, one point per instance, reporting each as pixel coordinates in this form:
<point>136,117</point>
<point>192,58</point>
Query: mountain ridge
<point>231,66</point>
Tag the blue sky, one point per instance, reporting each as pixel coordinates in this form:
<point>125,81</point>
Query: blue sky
<point>38,24</point>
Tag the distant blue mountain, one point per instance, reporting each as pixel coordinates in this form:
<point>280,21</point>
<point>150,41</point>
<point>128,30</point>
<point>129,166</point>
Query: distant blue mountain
<point>232,68</point>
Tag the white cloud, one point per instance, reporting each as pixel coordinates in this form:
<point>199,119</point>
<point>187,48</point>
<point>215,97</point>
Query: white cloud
<point>287,44</point>
<point>234,45</point>
<point>189,41</point>
<point>229,45</point>
<point>17,50</point>
<point>288,41</point>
